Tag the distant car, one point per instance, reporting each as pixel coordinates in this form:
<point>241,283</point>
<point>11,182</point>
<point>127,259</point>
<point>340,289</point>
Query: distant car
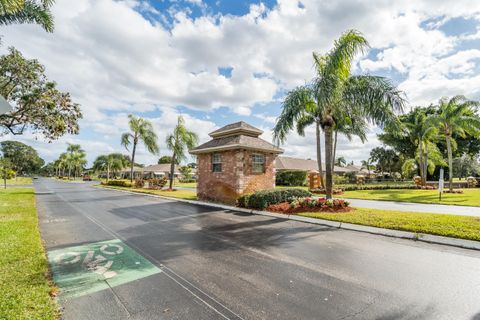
<point>87,178</point>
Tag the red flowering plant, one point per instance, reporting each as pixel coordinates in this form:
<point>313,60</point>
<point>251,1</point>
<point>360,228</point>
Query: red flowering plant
<point>321,204</point>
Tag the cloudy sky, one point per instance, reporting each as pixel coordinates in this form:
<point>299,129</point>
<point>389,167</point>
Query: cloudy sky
<point>222,61</point>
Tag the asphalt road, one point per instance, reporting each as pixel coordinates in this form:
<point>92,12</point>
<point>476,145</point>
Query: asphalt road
<point>218,264</point>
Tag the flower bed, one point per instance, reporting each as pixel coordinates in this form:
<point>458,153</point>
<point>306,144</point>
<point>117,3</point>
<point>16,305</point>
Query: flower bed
<point>308,204</point>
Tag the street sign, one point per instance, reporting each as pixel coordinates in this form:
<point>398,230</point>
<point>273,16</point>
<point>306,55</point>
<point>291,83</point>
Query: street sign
<point>440,184</point>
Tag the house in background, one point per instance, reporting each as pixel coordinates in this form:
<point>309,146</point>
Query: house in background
<point>234,162</point>
<point>160,171</point>
<point>290,163</point>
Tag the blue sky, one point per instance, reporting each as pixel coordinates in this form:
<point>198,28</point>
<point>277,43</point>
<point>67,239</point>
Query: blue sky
<point>217,62</point>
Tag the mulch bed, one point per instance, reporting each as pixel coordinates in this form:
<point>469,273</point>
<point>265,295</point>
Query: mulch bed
<point>285,208</point>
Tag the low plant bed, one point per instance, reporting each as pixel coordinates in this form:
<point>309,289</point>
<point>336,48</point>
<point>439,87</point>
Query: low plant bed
<point>262,199</point>
<point>311,205</point>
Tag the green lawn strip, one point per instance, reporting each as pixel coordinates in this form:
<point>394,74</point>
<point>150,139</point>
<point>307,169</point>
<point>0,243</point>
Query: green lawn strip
<point>185,185</point>
<point>469,197</point>
<point>181,194</point>
<point>25,289</point>
<point>18,181</point>
<point>438,224</point>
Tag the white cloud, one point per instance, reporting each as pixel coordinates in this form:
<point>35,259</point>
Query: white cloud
<point>115,61</point>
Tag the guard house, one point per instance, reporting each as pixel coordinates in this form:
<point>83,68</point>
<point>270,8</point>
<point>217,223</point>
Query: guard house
<point>234,162</point>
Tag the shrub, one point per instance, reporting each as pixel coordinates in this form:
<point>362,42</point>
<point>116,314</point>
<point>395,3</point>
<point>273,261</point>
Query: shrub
<point>118,183</point>
<point>262,199</point>
<point>338,179</point>
<point>139,183</point>
<point>185,180</point>
<point>157,183</point>
<point>291,178</point>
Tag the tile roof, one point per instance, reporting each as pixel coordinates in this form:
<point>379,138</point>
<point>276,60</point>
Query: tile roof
<point>232,128</point>
<point>238,135</point>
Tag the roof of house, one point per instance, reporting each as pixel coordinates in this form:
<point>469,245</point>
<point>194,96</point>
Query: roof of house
<point>239,135</point>
<point>162,167</point>
<point>135,169</point>
<point>290,163</point>
<point>240,127</point>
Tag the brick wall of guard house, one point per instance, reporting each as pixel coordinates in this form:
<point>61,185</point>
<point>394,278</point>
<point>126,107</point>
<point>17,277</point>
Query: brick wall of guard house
<point>236,177</point>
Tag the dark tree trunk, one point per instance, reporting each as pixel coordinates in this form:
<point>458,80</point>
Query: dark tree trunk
<point>328,129</point>
<point>133,159</point>
<point>334,151</point>
<point>172,171</point>
<point>319,154</point>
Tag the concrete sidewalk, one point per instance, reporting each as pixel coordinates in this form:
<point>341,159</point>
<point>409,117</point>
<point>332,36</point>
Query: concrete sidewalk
<point>416,207</point>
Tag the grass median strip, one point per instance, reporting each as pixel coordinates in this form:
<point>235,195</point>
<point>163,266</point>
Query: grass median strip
<point>469,197</point>
<point>438,224</point>
<point>181,194</point>
<point>18,181</point>
<point>25,289</point>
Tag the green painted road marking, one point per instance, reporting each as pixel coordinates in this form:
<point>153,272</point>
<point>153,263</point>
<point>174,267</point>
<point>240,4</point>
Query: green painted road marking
<point>93,267</point>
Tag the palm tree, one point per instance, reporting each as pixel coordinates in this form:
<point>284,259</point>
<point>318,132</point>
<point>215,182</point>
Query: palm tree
<point>141,130</point>
<point>367,164</point>
<point>456,117</point>
<point>109,162</point>
<point>74,159</point>
<point>27,11</point>
<point>179,142</point>
<point>337,97</point>
<point>340,161</point>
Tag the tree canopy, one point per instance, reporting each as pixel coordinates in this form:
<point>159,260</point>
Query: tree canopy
<point>38,104</point>
<point>167,159</point>
<point>24,159</point>
<point>27,11</point>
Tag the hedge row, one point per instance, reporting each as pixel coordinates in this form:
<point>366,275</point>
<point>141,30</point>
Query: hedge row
<point>262,199</point>
<point>291,178</point>
<point>377,187</point>
<point>118,183</point>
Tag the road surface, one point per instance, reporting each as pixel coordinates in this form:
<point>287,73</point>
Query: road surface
<point>160,259</point>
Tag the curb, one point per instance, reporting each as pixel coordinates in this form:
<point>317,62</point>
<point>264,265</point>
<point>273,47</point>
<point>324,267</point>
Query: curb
<point>428,238</point>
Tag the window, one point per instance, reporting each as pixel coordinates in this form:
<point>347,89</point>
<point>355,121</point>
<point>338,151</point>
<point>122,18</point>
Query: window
<point>258,163</point>
<point>216,162</point>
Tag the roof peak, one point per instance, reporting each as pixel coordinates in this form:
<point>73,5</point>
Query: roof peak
<point>240,127</point>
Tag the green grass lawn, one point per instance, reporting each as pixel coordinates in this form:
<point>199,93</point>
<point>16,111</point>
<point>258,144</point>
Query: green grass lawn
<point>185,185</point>
<point>18,180</point>
<point>25,290</point>
<point>181,194</point>
<point>438,224</point>
<point>470,197</point>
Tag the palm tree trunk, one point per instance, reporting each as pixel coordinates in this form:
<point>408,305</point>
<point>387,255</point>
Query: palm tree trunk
<point>319,154</point>
<point>328,160</point>
<point>108,172</point>
<point>420,162</point>
<point>450,163</point>
<point>133,160</point>
<point>425,164</point>
<point>334,150</point>
<point>172,170</point>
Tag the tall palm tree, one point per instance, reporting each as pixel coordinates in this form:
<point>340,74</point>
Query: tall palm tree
<point>140,130</point>
<point>27,11</point>
<point>179,142</point>
<point>336,96</point>
<point>456,117</point>
<point>74,158</point>
<point>110,162</point>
